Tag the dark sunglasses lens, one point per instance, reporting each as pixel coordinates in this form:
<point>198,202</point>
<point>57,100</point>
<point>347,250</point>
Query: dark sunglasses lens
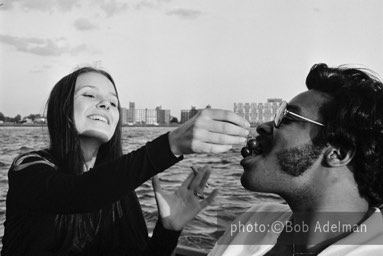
<point>280,114</point>
<point>276,120</point>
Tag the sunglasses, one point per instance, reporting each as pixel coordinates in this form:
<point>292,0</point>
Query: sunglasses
<point>282,113</point>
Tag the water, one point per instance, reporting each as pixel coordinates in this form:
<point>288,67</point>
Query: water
<point>204,230</point>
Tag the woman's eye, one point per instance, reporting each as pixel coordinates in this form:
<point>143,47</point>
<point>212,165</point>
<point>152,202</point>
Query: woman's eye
<point>89,95</point>
<point>113,104</point>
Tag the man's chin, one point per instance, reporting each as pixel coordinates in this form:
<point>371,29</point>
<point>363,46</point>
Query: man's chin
<point>246,182</point>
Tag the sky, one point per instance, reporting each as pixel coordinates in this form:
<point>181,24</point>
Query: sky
<point>182,53</point>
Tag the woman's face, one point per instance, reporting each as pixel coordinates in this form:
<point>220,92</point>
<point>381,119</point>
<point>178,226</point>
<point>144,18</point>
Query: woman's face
<point>95,107</point>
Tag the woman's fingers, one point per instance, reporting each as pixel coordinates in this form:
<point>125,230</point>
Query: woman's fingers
<point>198,174</point>
<point>225,116</point>
<point>219,138</point>
<point>188,180</point>
<point>210,131</point>
<point>198,184</point>
<point>204,147</point>
<point>209,200</point>
<point>163,206</point>
<point>223,127</point>
<point>205,177</point>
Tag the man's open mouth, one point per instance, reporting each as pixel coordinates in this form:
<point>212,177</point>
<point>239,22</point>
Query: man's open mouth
<point>253,147</point>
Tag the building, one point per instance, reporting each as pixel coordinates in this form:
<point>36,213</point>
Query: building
<point>127,116</point>
<point>145,116</point>
<point>256,113</point>
<point>239,109</point>
<point>163,115</point>
<point>186,114</point>
<point>40,120</point>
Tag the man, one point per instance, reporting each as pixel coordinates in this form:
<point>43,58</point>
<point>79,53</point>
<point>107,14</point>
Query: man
<point>323,154</point>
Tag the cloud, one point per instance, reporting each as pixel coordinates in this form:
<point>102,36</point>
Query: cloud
<point>145,4</point>
<point>84,24</point>
<point>43,5</point>
<point>150,4</point>
<point>67,5</point>
<point>6,6</point>
<point>109,7</point>
<point>112,7</point>
<point>184,13</point>
<point>77,49</point>
<point>42,47</point>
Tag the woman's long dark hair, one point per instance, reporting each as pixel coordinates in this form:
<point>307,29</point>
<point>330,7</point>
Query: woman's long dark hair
<point>64,140</point>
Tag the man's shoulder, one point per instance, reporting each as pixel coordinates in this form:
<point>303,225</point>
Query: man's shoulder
<point>269,207</point>
<point>266,212</point>
<point>246,235</point>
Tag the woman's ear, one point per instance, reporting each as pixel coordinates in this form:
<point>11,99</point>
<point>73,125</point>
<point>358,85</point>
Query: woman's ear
<point>338,156</point>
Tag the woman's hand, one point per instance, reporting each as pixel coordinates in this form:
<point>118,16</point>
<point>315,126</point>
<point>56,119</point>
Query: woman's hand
<point>178,208</point>
<point>209,131</point>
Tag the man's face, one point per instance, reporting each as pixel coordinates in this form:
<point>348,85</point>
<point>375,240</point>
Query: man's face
<point>287,152</point>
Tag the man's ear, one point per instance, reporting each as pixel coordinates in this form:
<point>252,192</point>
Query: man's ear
<point>338,156</point>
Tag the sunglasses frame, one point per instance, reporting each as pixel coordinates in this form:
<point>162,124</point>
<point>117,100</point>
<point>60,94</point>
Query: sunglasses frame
<point>282,110</point>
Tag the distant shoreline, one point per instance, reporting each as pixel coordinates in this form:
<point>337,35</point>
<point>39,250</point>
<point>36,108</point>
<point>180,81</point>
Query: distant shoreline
<point>45,125</point>
<point>124,125</point>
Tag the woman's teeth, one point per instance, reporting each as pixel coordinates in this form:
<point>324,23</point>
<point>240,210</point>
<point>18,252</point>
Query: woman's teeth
<point>99,118</point>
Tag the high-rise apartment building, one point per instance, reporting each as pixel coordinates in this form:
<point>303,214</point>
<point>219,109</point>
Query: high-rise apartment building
<point>256,113</point>
<point>145,116</point>
<point>163,115</point>
<point>186,114</point>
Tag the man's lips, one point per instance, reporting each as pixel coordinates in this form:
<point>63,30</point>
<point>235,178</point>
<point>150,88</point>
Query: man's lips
<point>246,161</point>
<point>253,147</point>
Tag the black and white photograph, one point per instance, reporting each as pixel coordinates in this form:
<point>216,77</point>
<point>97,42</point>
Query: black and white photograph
<point>191,127</point>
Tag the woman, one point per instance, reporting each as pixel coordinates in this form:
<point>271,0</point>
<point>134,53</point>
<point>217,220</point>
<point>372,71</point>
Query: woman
<point>77,197</point>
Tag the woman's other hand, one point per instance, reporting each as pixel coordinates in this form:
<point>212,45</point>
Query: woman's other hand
<point>209,131</point>
<point>176,209</point>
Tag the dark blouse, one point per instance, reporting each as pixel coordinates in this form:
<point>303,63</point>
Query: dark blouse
<point>49,212</point>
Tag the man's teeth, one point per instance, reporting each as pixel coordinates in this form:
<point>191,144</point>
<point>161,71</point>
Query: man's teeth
<point>99,118</point>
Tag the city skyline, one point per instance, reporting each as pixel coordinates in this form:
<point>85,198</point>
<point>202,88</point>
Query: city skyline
<point>182,53</point>
<point>179,116</point>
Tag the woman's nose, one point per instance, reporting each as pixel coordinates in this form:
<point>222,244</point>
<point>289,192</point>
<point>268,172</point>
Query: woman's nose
<point>104,104</point>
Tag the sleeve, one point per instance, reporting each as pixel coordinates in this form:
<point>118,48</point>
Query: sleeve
<point>163,241</point>
<point>40,187</point>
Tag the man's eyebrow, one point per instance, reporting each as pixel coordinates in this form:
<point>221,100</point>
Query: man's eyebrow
<point>294,108</point>
<point>94,87</point>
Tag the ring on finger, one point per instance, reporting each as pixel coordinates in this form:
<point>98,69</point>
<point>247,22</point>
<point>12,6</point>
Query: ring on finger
<point>199,195</point>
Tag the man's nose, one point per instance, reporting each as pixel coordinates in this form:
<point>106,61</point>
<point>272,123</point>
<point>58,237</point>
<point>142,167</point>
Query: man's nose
<point>265,128</point>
